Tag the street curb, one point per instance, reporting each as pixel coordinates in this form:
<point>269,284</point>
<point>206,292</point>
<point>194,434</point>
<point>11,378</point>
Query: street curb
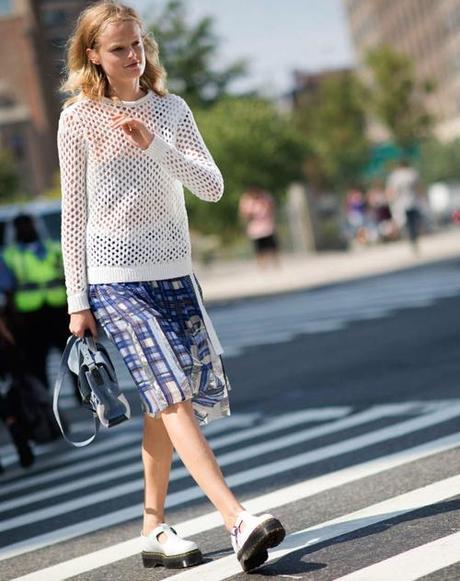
<point>346,279</point>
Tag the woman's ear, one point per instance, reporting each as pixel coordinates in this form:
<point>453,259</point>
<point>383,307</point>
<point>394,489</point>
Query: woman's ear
<point>92,55</point>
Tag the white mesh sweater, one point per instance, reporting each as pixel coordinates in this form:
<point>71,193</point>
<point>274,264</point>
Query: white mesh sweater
<point>123,208</point>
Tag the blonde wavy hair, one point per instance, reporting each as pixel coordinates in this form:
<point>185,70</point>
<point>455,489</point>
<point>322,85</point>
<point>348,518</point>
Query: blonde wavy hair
<point>84,78</point>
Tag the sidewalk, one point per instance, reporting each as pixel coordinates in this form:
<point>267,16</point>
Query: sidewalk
<point>236,280</point>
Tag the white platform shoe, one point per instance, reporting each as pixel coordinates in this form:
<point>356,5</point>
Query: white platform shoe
<point>251,537</point>
<point>172,553</point>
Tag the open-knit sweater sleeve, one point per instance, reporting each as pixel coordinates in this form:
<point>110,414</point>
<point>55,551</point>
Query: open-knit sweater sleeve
<point>189,160</point>
<point>72,162</point>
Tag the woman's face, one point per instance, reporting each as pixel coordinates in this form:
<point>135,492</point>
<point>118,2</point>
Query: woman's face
<point>120,51</point>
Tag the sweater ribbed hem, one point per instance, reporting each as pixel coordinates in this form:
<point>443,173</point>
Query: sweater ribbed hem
<point>77,303</point>
<point>107,274</point>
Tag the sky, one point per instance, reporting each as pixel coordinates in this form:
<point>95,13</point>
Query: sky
<point>275,36</point>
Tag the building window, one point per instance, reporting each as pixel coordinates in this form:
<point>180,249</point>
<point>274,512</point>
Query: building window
<point>452,22</point>
<point>54,17</point>
<point>5,7</point>
<point>17,146</point>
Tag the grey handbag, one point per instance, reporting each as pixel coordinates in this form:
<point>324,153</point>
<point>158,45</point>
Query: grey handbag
<point>90,363</point>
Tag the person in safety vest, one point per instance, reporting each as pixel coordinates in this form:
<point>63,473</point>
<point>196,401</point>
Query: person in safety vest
<point>31,271</point>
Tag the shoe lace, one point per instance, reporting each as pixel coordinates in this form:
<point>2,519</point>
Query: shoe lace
<point>236,530</point>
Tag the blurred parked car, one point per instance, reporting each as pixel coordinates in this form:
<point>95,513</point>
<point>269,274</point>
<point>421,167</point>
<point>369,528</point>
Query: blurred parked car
<point>46,213</point>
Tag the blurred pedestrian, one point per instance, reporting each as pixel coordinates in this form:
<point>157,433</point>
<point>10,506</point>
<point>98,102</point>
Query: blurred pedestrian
<point>257,211</point>
<point>380,211</point>
<point>357,223</point>
<point>11,367</point>
<point>126,146</point>
<point>32,276</point>
<point>404,192</point>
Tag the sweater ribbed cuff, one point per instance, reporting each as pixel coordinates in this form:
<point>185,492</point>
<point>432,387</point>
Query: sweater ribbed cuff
<point>158,148</point>
<point>77,302</point>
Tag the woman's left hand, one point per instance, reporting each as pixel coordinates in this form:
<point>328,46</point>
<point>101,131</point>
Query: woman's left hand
<point>134,129</point>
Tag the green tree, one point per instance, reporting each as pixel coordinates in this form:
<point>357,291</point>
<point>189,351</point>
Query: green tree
<point>396,98</point>
<point>188,52</point>
<point>333,120</point>
<point>439,161</point>
<point>252,143</point>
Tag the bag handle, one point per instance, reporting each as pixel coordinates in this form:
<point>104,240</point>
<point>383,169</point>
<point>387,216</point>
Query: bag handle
<point>62,373</point>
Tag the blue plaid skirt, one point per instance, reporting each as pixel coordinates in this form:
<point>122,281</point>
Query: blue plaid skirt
<point>167,341</point>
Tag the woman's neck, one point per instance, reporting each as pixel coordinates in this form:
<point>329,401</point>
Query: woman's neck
<point>125,93</point>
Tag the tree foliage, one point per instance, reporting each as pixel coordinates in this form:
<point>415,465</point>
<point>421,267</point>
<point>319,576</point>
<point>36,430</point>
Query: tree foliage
<point>334,122</point>
<point>440,161</point>
<point>396,98</point>
<point>252,143</point>
<point>188,52</point>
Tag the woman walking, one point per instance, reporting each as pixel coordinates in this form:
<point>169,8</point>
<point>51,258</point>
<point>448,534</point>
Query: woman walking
<point>126,148</point>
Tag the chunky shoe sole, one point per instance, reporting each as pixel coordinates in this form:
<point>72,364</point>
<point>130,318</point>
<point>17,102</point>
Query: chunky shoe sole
<point>182,561</point>
<point>117,420</point>
<point>268,534</point>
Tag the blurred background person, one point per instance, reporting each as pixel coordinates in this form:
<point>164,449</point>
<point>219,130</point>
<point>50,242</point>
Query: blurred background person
<point>357,227</point>
<point>257,211</point>
<point>31,273</point>
<point>380,212</point>
<point>10,401</point>
<point>404,192</point>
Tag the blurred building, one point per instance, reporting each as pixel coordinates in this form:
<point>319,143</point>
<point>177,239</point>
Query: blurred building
<point>33,34</point>
<point>307,84</point>
<point>428,31</point>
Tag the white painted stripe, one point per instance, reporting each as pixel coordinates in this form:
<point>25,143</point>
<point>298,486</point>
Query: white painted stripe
<point>369,293</point>
<point>280,422</point>
<point>253,452</point>
<point>67,455</point>
<point>209,521</point>
<point>270,500</point>
<point>412,564</point>
<point>228,566</point>
<point>260,335</point>
<point>328,305</point>
<point>115,441</point>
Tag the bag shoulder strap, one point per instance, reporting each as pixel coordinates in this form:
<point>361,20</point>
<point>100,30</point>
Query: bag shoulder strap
<point>62,373</point>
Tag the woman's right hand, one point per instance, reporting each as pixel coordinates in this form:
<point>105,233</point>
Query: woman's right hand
<point>82,321</point>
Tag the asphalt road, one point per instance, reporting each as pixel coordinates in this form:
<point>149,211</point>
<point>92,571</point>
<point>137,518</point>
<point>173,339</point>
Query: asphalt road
<point>345,415</point>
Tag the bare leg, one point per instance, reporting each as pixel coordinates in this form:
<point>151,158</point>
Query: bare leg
<point>192,447</point>
<point>157,451</point>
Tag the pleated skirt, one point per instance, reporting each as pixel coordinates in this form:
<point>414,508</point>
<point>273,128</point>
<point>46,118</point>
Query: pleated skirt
<point>168,343</point>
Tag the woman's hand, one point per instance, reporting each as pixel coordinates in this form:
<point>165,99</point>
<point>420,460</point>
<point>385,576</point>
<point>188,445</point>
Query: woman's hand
<point>82,321</point>
<point>135,130</point>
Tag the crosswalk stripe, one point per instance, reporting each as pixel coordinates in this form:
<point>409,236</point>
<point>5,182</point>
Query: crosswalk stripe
<point>115,441</point>
<point>241,454</point>
<point>412,564</point>
<point>253,452</point>
<point>278,423</point>
<point>227,566</point>
<point>233,480</point>
<point>235,421</point>
<point>305,304</point>
<point>269,501</point>
<point>73,456</point>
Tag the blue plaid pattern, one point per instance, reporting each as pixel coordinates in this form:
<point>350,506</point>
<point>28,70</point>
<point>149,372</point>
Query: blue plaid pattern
<point>159,330</point>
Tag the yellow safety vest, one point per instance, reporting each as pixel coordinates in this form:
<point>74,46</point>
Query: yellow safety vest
<point>40,281</point>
